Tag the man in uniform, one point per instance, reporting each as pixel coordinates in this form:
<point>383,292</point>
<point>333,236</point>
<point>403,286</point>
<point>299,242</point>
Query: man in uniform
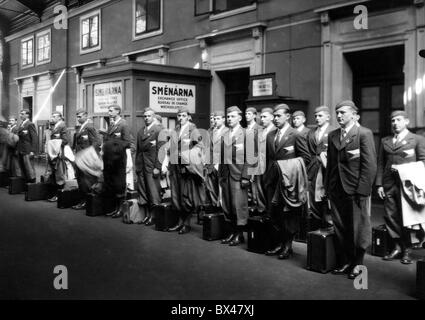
<point>351,170</point>
<point>27,146</point>
<point>148,167</point>
<point>59,132</point>
<point>234,178</point>
<point>85,137</point>
<point>117,144</point>
<point>317,142</point>
<point>402,147</point>
<point>252,129</point>
<point>186,176</point>
<point>284,143</point>
<point>12,154</point>
<point>298,120</point>
<point>212,183</point>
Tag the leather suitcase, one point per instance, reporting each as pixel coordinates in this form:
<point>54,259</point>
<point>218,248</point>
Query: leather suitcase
<point>98,205</point>
<point>165,217</point>
<point>4,179</point>
<point>133,194</point>
<point>381,241</point>
<point>213,226</point>
<point>262,235</point>
<point>37,191</point>
<point>420,279</point>
<point>16,185</point>
<point>321,256</point>
<point>68,198</point>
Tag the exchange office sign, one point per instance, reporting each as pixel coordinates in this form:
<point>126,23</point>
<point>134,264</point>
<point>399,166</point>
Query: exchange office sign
<point>168,97</point>
<point>106,94</point>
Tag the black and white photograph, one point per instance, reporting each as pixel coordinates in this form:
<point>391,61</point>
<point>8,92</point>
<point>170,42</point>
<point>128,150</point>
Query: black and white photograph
<point>212,155</point>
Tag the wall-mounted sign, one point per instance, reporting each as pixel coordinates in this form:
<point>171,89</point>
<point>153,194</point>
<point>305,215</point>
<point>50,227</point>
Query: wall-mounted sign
<point>106,94</point>
<point>168,97</point>
<point>263,85</point>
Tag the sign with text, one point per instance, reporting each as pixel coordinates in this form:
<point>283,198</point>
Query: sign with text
<point>168,97</point>
<point>262,87</point>
<point>106,94</point>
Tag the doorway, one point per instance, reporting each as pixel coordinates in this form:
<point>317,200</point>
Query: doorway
<point>27,104</point>
<point>236,83</point>
<point>378,86</point>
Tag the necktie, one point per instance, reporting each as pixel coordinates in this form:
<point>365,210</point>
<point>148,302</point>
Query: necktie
<point>343,134</point>
<point>395,139</point>
<point>277,138</point>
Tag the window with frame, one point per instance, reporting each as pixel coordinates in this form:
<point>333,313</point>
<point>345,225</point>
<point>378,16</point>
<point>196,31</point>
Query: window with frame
<point>43,47</point>
<point>219,6</point>
<point>27,52</point>
<point>90,32</point>
<point>147,16</point>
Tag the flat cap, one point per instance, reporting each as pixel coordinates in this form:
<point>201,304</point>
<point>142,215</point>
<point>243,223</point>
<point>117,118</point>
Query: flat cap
<point>298,113</point>
<point>219,113</point>
<point>183,109</point>
<point>397,113</point>
<point>80,111</point>
<point>346,103</point>
<point>251,109</point>
<point>233,109</point>
<point>267,110</point>
<point>322,108</point>
<point>283,107</point>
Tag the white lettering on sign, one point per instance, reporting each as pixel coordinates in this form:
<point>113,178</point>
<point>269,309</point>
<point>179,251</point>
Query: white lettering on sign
<point>262,87</point>
<point>168,97</point>
<point>106,94</point>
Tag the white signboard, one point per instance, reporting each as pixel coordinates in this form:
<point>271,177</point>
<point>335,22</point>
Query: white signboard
<point>168,97</point>
<point>106,94</point>
<point>262,87</point>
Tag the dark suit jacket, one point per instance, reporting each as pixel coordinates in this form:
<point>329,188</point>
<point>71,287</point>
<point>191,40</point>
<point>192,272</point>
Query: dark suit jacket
<point>60,132</point>
<point>189,138</point>
<point>28,138</point>
<point>304,132</point>
<point>234,150</point>
<point>292,145</point>
<point>352,160</point>
<point>216,149</point>
<point>147,149</point>
<point>315,148</point>
<point>86,138</point>
<point>409,149</point>
<point>120,131</point>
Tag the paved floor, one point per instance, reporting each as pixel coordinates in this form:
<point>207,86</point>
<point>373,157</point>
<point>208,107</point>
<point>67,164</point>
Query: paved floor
<point>107,259</point>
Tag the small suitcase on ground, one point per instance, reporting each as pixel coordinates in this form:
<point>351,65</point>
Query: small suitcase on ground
<point>133,213</point>
<point>68,198</point>
<point>98,205</point>
<point>37,191</point>
<point>132,194</point>
<point>420,279</point>
<point>4,179</point>
<point>16,185</point>
<point>381,241</point>
<point>165,217</point>
<point>213,226</point>
<point>321,256</point>
<point>262,235</point>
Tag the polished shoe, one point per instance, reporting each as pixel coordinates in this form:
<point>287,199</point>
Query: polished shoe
<point>354,273</point>
<point>275,251</point>
<point>53,199</point>
<point>118,214</point>
<point>237,240</point>
<point>285,254</point>
<point>406,259</point>
<point>80,206</point>
<point>228,239</point>
<point>185,229</point>
<point>145,220</point>
<point>343,270</point>
<point>150,222</point>
<point>395,254</point>
<point>175,228</point>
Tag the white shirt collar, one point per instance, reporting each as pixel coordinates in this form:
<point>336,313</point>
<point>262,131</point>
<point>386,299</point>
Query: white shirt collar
<point>300,128</point>
<point>58,123</point>
<point>402,134</point>
<point>150,126</point>
<point>283,130</point>
<point>251,126</point>
<point>324,127</point>
<point>347,129</point>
